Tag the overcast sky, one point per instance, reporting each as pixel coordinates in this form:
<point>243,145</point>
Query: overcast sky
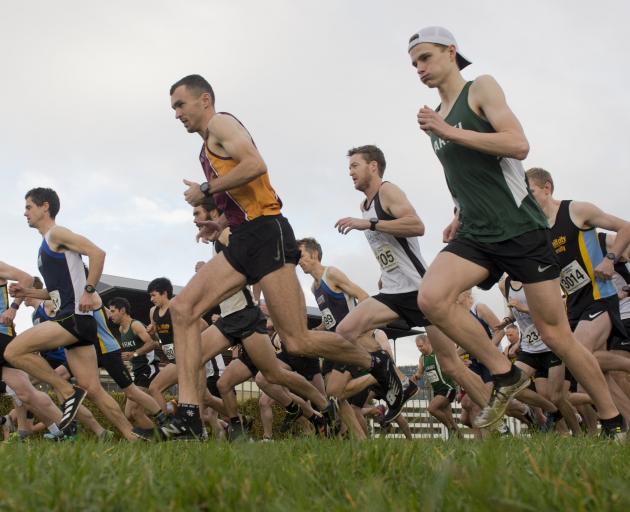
<point>85,110</point>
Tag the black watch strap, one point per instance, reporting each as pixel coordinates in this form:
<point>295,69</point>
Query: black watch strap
<point>373,223</point>
<point>89,288</point>
<point>205,188</point>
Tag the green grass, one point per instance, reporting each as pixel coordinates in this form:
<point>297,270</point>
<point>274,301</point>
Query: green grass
<point>539,474</point>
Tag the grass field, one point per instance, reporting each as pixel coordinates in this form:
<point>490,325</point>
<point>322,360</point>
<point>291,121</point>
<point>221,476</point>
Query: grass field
<point>538,474</point>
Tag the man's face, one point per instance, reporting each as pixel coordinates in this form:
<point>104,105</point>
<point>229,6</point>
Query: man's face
<point>189,107</point>
<point>512,335</point>
<point>307,260</point>
<point>361,171</point>
<point>200,214</point>
<point>158,299</point>
<point>423,345</point>
<point>431,62</point>
<point>541,194</point>
<point>33,213</point>
<point>115,314</point>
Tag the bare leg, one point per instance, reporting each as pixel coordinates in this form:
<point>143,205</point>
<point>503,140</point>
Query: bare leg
<point>446,278</point>
<point>547,311</point>
<point>82,362</point>
<point>162,381</point>
<point>38,402</point>
<point>266,415</point>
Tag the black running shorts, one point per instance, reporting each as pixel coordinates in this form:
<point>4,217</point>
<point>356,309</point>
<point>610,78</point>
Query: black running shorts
<point>449,393</point>
<point>307,367</point>
<point>82,327</point>
<point>539,361</point>
<point>113,364</point>
<point>261,246</point>
<point>242,324</point>
<point>405,305</point>
<point>144,375</point>
<point>528,258</point>
<point>5,339</point>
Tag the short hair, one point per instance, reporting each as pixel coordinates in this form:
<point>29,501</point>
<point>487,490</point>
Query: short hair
<point>371,153</point>
<point>195,83</point>
<point>42,195</point>
<point>37,283</point>
<point>208,204</point>
<point>312,246</point>
<point>511,327</point>
<point>119,303</point>
<point>161,285</point>
<point>540,176</point>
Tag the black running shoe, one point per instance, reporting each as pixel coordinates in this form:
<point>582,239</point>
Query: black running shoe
<point>148,434</point>
<point>175,429</point>
<point>238,433</point>
<point>331,417</point>
<point>320,424</point>
<point>290,418</point>
<point>616,433</point>
<point>384,372</point>
<point>71,406</point>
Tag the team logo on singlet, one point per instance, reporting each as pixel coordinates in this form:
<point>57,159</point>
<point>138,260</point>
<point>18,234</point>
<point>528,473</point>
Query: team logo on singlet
<point>439,143</point>
<point>559,244</point>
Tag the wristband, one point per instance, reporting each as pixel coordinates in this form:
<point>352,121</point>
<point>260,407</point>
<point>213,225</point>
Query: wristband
<point>15,305</point>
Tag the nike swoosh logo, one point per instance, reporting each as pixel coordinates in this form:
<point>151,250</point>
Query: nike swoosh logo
<point>277,256</point>
<point>542,269</point>
<point>624,343</point>
<point>595,315</point>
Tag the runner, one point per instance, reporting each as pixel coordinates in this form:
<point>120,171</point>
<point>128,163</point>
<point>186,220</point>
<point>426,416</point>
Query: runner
<point>497,228</point>
<point>262,250</point>
<point>391,227</point>
<point>444,389</point>
<point>73,325</point>
<point>586,276</point>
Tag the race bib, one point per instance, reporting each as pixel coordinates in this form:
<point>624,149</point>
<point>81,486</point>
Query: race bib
<point>169,351</point>
<point>573,277</point>
<point>432,376</point>
<point>55,302</point>
<point>386,257</point>
<point>328,319</point>
<point>531,336</point>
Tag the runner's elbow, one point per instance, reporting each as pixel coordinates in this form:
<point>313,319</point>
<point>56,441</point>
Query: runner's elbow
<point>521,150</point>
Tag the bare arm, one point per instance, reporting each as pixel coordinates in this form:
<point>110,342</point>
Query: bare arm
<point>407,222</point>
<point>340,280</point>
<point>140,331</point>
<point>235,140</point>
<point>487,99</point>
<point>9,273</point>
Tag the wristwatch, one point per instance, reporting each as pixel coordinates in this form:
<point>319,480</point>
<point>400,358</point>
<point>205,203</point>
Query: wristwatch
<point>205,189</point>
<point>89,288</point>
<point>15,305</point>
<point>612,256</point>
<point>373,223</point>
<point>135,354</point>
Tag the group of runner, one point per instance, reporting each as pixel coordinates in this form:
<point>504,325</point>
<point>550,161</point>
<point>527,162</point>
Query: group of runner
<point>506,222</point>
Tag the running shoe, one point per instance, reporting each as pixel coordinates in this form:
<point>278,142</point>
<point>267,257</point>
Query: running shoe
<point>384,372</point>
<point>501,395</point>
<point>71,406</point>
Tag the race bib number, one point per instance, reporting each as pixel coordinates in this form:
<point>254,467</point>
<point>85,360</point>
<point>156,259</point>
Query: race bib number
<point>573,277</point>
<point>169,351</point>
<point>386,257</point>
<point>55,303</point>
<point>432,376</point>
<point>328,319</point>
<point>531,336</point>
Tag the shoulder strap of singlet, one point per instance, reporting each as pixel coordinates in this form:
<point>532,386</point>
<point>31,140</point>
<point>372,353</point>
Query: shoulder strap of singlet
<point>380,212</point>
<point>507,285</point>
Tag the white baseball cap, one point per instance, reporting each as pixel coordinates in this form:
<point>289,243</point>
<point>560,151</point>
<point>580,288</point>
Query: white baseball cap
<point>438,35</point>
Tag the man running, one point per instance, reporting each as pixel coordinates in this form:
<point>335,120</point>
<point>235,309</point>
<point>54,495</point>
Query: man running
<point>586,275</point>
<point>498,226</point>
<point>72,325</point>
<point>392,227</point>
<point>262,250</point>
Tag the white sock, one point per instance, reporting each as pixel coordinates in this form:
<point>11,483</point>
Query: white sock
<point>54,429</point>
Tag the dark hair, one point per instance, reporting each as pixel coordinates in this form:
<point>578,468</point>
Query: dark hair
<point>312,246</point>
<point>161,285</point>
<point>41,195</point>
<point>119,303</point>
<point>195,83</point>
<point>370,153</point>
<point>208,204</point>
<point>540,176</point>
<point>37,283</point>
